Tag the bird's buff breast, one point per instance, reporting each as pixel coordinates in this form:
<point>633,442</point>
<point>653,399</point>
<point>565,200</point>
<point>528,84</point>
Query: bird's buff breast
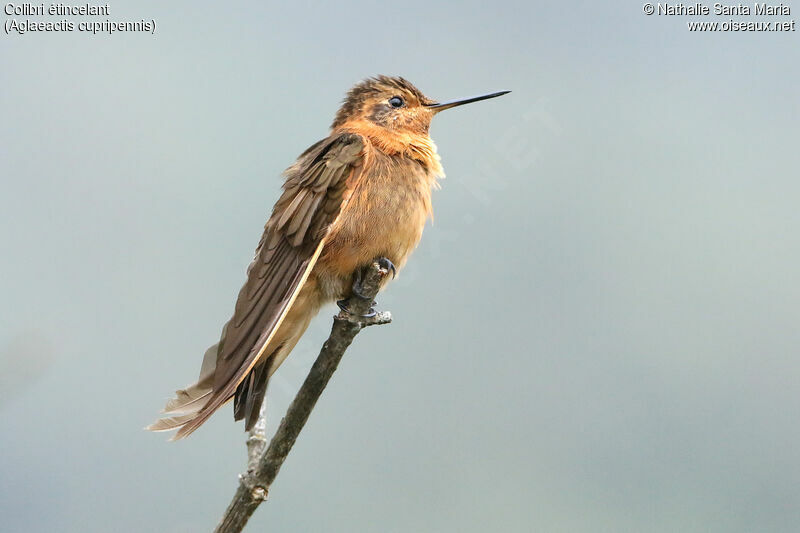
<point>384,217</point>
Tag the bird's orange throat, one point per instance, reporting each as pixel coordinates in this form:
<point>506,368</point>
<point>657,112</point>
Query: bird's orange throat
<point>415,145</point>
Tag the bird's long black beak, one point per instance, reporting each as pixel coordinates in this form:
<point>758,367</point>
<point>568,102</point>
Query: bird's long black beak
<point>455,103</point>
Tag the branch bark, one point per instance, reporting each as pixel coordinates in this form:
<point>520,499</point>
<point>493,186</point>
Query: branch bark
<point>264,461</point>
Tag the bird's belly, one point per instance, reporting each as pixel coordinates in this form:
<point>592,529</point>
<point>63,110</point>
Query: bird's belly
<point>382,219</point>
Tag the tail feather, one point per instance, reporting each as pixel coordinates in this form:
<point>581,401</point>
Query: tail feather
<point>195,404</point>
<point>191,400</point>
<point>188,401</point>
<point>247,403</point>
<point>188,404</point>
<point>240,397</point>
<point>166,424</point>
<point>250,397</point>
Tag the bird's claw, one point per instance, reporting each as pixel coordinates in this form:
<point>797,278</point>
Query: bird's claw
<point>387,265</point>
<point>384,263</point>
<point>356,291</point>
<point>343,305</point>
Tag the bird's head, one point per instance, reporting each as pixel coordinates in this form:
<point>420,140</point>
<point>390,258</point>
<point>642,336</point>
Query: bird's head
<point>392,105</point>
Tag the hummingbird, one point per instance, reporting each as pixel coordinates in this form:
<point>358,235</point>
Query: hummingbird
<point>361,194</point>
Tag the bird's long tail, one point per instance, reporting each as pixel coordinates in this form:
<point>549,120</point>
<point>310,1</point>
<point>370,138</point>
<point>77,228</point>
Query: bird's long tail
<point>190,406</point>
<point>189,401</point>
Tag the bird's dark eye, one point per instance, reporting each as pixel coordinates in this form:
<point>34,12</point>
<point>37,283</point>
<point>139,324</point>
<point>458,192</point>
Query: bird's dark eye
<point>396,101</point>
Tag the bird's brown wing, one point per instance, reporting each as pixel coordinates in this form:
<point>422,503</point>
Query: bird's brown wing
<point>316,188</point>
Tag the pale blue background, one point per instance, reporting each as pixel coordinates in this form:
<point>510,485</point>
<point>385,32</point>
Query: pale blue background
<point>598,334</point>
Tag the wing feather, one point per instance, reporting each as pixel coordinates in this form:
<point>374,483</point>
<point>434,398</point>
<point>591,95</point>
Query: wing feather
<point>312,198</point>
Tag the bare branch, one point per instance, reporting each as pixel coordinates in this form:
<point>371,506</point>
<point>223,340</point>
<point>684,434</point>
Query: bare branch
<point>265,461</point>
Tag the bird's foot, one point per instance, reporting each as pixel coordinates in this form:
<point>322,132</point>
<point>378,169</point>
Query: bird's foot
<point>357,290</point>
<point>344,305</point>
